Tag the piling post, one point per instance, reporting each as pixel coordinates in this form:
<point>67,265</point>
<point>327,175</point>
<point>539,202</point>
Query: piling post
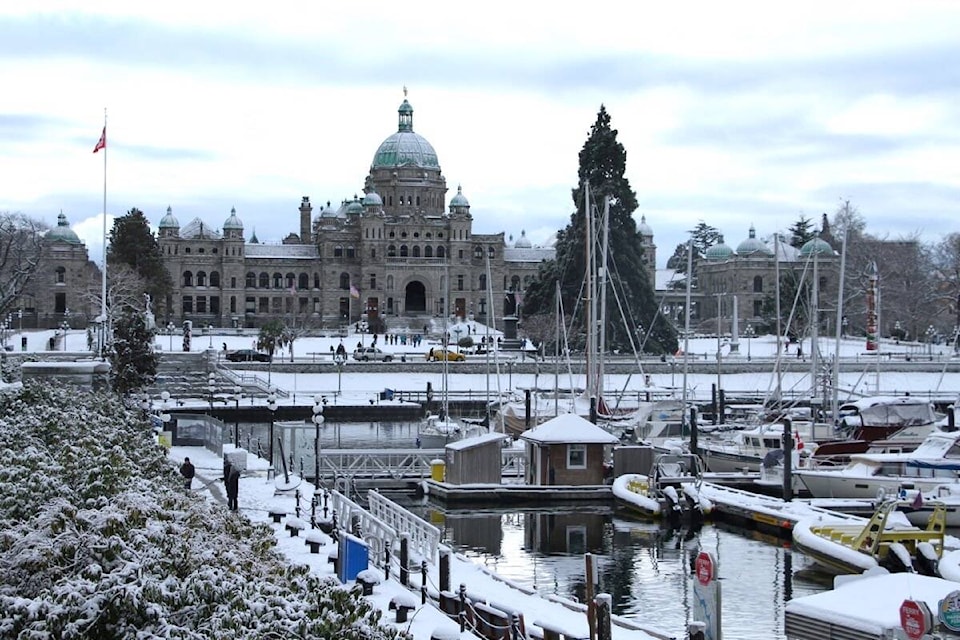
<point>386,561</point>
<point>694,445</point>
<point>462,613</point>
<point>404,558</point>
<point>423,582</point>
<point>602,605</point>
<point>696,631</point>
<point>526,408</point>
<point>445,570</point>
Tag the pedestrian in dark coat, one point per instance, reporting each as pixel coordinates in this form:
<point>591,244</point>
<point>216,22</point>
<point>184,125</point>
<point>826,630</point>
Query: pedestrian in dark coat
<point>187,470</point>
<point>231,480</point>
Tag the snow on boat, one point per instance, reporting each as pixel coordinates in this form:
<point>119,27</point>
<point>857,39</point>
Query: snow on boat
<point>671,490</point>
<point>887,539</point>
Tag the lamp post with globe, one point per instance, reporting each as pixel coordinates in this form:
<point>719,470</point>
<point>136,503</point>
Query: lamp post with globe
<point>339,359</point>
<point>165,409</point>
<point>272,406</point>
<point>930,332</point>
<point>65,327</point>
<point>749,333</point>
<point>170,329</point>
<point>317,421</point>
<point>237,397</point>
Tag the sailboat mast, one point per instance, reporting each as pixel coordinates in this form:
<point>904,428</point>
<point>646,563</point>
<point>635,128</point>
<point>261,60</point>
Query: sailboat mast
<point>602,307</point>
<point>686,327</point>
<point>776,361</point>
<point>814,326</point>
<point>588,303</point>
<point>838,330</point>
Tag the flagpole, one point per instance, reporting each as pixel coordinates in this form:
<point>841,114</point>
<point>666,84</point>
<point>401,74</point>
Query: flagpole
<point>103,279</point>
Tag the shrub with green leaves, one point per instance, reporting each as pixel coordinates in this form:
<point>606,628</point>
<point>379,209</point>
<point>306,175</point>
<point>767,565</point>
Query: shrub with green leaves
<point>98,541</point>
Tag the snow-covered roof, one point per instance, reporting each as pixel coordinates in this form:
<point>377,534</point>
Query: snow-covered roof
<point>296,251</point>
<point>568,428</point>
<point>469,443</point>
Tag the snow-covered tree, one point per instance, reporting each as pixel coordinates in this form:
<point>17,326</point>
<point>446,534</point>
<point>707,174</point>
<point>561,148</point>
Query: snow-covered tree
<point>98,541</point>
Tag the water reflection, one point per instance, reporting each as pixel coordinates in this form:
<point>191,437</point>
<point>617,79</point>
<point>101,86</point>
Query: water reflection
<point>647,569</point>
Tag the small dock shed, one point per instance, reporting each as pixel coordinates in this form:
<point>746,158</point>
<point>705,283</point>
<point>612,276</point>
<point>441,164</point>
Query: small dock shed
<point>566,450</point>
<point>475,460</point>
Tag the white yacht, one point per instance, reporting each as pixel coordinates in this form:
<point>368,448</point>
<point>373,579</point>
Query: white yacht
<point>869,475</point>
<point>746,449</point>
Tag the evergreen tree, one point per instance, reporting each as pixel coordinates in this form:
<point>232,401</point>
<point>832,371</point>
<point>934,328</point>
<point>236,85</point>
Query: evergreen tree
<point>133,244</point>
<point>133,362</point>
<point>603,163</point>
<point>801,232</point>
<point>272,336</point>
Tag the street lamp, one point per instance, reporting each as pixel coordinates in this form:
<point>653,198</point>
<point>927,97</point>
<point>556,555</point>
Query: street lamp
<point>237,397</point>
<point>317,421</point>
<point>339,359</point>
<point>930,333</point>
<point>170,329</point>
<point>748,333</point>
<point>457,331</point>
<point>144,403</point>
<point>65,326</point>
<point>272,406</point>
<point>210,334</point>
<point>165,409</point>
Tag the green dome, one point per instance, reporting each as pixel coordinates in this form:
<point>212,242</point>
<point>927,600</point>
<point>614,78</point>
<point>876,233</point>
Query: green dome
<point>719,251</point>
<point>817,246</point>
<point>372,199</point>
<point>752,246</point>
<point>233,222</point>
<point>643,228</point>
<point>62,232</point>
<point>169,221</point>
<point>405,148</point>
<point>459,200</point>
<point>355,207</point>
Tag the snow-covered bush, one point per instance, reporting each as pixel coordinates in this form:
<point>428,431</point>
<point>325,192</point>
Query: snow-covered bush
<point>98,541</point>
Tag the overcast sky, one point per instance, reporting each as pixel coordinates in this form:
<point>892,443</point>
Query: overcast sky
<point>733,113</point>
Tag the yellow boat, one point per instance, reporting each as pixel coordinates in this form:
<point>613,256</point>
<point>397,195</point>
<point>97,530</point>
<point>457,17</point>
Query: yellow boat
<point>843,548</point>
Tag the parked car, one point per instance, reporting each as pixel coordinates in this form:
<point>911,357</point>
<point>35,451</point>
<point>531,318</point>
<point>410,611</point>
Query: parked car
<point>372,353</point>
<point>435,355</point>
<point>247,355</point>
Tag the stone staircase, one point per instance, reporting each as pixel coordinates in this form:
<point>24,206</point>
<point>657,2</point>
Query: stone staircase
<point>186,375</point>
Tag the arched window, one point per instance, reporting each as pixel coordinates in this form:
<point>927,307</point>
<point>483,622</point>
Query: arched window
<point>264,280</point>
<point>291,281</point>
<point>416,251</point>
<point>304,281</point>
<point>491,252</point>
<point>478,252</point>
<point>392,251</point>
<point>338,251</point>
<point>188,278</point>
<point>251,280</point>
<point>344,280</point>
<point>404,251</point>
<point>277,281</point>
<point>351,252</point>
<point>758,284</point>
<point>428,251</point>
<point>201,278</point>
<point>441,252</point>
<point>61,275</point>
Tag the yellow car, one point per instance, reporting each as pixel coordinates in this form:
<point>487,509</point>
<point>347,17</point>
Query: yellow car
<point>435,355</point>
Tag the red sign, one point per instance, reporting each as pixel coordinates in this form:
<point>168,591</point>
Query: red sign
<point>705,568</point>
<point>915,618</point>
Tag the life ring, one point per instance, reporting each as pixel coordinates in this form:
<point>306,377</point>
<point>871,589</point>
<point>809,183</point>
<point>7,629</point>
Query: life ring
<point>881,494</point>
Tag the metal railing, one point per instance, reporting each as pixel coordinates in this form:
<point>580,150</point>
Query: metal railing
<point>424,537</point>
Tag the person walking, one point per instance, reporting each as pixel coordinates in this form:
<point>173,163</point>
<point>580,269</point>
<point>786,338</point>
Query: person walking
<point>231,480</point>
<point>187,470</point>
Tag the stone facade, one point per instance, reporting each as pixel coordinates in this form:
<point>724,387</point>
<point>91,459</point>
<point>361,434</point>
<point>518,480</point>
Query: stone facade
<point>399,251</point>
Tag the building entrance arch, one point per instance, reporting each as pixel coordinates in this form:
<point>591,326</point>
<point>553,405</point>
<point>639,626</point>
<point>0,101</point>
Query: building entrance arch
<point>415,298</point>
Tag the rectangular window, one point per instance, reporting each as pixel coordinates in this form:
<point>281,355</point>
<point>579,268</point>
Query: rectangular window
<point>233,304</point>
<point>187,304</point>
<point>60,303</point>
<point>215,305</point>
<point>201,304</point>
<point>250,305</point>
<point>233,282</point>
<point>302,305</point>
<point>263,305</point>
<point>576,456</point>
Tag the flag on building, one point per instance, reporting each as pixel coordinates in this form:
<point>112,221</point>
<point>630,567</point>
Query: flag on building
<point>102,142</point>
<point>354,292</point>
<point>293,290</point>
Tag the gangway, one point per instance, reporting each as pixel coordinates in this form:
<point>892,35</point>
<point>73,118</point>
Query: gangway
<point>396,464</point>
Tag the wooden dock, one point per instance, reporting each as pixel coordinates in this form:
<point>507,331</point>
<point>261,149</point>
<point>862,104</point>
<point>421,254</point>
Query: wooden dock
<point>515,494</point>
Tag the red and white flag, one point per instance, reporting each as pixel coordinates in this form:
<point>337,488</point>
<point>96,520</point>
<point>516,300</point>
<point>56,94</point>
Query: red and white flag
<point>102,142</point>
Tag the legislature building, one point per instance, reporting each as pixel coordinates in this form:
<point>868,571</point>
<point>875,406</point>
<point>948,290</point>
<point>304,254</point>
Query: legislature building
<point>401,250</point>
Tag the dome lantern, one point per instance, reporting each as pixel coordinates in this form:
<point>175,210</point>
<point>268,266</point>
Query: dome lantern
<point>753,246</point>
<point>62,232</point>
<point>405,148</point>
<point>719,251</point>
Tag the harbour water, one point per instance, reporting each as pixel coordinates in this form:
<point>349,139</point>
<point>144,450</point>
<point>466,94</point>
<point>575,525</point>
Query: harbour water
<point>645,567</point>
